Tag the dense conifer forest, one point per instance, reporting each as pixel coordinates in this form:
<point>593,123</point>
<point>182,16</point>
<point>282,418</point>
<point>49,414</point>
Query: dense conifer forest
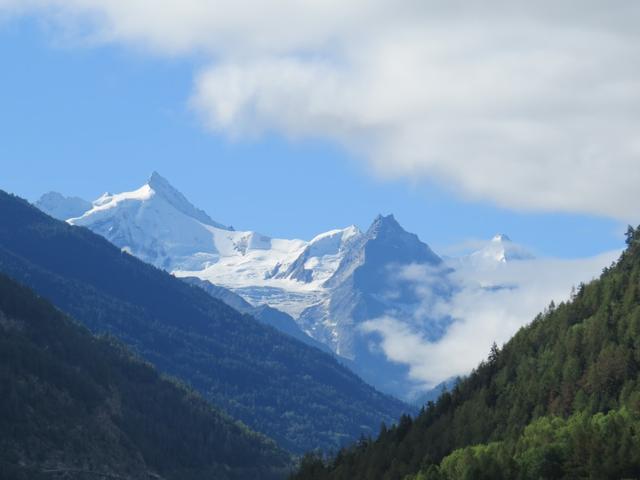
<point>561,399</point>
<point>76,406</point>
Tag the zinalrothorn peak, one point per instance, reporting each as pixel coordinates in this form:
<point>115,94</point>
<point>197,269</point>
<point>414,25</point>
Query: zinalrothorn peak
<point>162,187</point>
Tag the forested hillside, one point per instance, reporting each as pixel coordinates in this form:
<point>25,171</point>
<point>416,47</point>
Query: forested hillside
<point>74,406</point>
<point>560,400</point>
<point>293,393</point>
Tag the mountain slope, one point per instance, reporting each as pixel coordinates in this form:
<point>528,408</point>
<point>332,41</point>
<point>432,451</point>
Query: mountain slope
<point>536,408</point>
<point>330,286</point>
<point>74,403</point>
<point>157,224</point>
<point>368,284</point>
<point>293,393</point>
<point>263,313</point>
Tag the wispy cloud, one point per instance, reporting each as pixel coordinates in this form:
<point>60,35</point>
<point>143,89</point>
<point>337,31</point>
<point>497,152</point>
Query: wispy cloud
<point>491,305</point>
<point>531,105</point>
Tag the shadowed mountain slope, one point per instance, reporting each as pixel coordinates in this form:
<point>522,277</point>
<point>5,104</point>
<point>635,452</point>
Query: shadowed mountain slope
<point>73,404</point>
<point>294,393</point>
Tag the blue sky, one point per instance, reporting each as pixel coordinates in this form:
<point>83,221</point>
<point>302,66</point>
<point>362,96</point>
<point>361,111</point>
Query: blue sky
<point>82,119</point>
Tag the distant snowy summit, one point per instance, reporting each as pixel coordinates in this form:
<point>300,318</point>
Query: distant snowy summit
<point>500,249</point>
<point>159,225</point>
<point>328,287</point>
<point>155,223</point>
<point>61,207</point>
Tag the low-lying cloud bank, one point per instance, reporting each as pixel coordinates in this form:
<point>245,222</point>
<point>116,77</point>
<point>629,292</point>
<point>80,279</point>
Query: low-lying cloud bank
<point>491,305</point>
<point>530,105</point>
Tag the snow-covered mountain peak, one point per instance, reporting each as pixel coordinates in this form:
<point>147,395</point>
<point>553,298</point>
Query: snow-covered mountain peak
<point>109,201</point>
<point>500,249</point>
<point>61,207</point>
<point>320,257</point>
<point>158,224</point>
<point>155,223</point>
<point>500,238</point>
<point>156,198</point>
<point>385,224</point>
<point>157,180</point>
<point>161,186</point>
<point>332,241</point>
<point>384,243</point>
<point>388,238</point>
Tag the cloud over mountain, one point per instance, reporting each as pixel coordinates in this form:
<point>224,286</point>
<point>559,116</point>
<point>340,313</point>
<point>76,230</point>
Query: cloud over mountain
<point>491,304</point>
<point>531,106</point>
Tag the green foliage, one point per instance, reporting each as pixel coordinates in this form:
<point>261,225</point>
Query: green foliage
<point>71,402</point>
<point>297,395</point>
<point>582,446</point>
<point>551,400</point>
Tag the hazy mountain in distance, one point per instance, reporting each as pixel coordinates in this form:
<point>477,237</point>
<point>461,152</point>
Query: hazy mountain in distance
<point>61,207</point>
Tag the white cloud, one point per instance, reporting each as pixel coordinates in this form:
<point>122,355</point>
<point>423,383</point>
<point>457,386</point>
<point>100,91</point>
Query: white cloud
<point>481,314</point>
<point>531,105</point>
